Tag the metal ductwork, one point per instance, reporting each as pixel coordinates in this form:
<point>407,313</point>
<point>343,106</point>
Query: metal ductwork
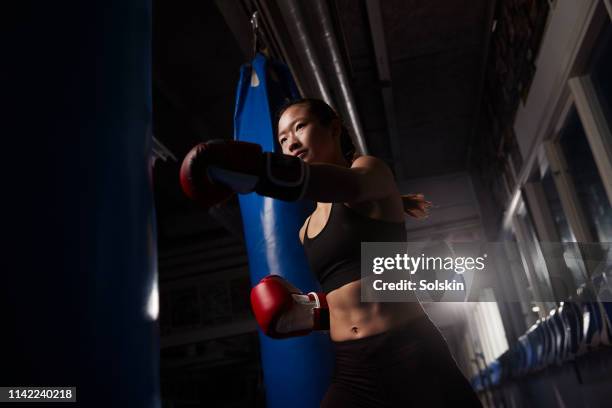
<point>296,26</point>
<point>342,83</point>
<point>311,46</point>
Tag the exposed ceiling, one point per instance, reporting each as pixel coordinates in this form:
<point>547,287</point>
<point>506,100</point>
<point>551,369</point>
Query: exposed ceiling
<point>435,52</point>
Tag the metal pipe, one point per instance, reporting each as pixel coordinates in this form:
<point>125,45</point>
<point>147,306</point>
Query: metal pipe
<point>294,18</point>
<point>344,86</point>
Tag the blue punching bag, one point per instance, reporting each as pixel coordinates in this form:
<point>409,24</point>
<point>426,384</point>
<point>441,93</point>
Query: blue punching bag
<point>297,371</point>
<point>120,218</point>
<point>82,287</point>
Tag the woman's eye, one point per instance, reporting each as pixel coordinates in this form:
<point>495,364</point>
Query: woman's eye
<point>299,126</point>
<point>283,140</point>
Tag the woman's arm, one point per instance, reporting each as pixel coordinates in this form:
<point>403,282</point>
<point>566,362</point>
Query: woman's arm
<point>211,171</point>
<point>368,179</point>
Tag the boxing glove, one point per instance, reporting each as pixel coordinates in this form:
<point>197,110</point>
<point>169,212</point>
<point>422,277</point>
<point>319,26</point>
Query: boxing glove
<point>282,310</point>
<point>196,183</point>
<point>212,169</point>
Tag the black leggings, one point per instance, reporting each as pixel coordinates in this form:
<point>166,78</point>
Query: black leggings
<point>409,366</point>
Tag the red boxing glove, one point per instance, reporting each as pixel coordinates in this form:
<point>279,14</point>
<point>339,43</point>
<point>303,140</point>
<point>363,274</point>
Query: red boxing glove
<point>195,181</point>
<point>212,170</point>
<point>282,310</point>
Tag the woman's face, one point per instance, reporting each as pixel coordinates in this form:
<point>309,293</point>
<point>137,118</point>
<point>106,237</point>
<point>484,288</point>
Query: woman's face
<point>301,134</point>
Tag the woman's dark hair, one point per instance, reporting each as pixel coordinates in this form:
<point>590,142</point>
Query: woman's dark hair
<point>415,205</point>
<point>325,114</point>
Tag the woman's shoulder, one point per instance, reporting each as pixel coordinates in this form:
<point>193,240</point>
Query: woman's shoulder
<point>373,165</point>
<point>369,161</point>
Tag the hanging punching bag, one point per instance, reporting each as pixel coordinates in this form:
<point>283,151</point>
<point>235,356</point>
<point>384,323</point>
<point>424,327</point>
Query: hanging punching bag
<point>297,371</point>
<point>119,216</point>
<point>83,294</point>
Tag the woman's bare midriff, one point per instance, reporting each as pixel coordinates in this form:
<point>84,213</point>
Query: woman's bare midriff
<point>352,319</point>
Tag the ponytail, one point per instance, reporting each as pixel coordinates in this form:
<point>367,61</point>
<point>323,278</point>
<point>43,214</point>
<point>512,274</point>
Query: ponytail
<point>346,145</point>
<point>415,205</point>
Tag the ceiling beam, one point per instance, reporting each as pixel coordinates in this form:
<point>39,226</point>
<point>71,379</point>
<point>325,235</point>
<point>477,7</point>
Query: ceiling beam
<point>384,76</point>
<point>489,27</point>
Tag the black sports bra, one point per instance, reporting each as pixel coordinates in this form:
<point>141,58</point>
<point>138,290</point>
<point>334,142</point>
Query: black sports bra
<point>334,254</point>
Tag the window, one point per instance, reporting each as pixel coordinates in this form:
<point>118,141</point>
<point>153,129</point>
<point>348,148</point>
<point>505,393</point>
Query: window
<point>570,258</point>
<point>487,327</point>
<point>600,69</point>
<point>590,190</point>
<point>556,208</point>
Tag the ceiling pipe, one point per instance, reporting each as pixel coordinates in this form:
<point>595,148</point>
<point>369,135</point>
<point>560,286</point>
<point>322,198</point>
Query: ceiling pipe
<point>293,18</point>
<point>343,83</point>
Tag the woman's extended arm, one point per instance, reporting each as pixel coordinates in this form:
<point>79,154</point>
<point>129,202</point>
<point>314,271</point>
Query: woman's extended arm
<point>368,179</point>
<point>212,170</point>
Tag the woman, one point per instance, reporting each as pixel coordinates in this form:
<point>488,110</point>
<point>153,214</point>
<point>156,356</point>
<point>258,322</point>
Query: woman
<point>387,354</point>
